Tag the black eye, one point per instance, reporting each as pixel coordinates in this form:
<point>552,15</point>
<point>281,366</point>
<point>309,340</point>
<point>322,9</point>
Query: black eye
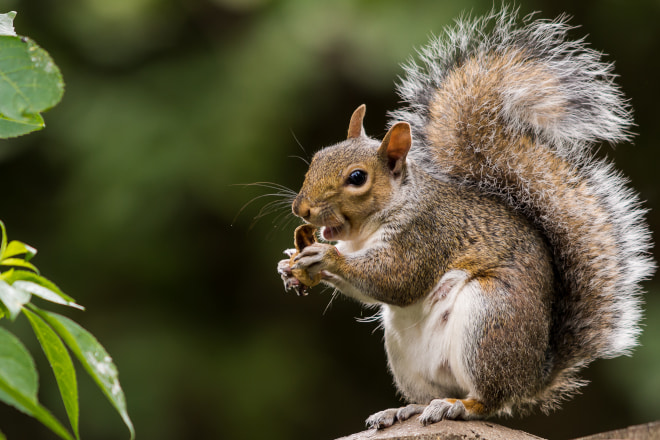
<point>357,178</point>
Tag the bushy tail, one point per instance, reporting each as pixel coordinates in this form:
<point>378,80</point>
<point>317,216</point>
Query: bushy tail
<point>516,111</point>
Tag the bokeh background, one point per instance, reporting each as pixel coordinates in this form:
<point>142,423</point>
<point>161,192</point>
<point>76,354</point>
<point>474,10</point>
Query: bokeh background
<point>130,194</point>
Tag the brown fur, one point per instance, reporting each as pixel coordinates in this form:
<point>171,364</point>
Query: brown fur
<point>465,136</point>
<point>498,182</point>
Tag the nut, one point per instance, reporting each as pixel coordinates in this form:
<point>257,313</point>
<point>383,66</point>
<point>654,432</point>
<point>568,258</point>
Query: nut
<point>303,237</point>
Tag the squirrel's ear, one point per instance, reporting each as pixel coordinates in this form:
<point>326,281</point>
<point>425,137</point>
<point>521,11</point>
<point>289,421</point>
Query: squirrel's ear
<point>355,127</point>
<point>396,145</point>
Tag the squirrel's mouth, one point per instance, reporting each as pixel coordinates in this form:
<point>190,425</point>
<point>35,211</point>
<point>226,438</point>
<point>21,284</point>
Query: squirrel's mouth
<point>332,233</point>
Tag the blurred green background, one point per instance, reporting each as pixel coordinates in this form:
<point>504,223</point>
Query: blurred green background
<point>129,194</point>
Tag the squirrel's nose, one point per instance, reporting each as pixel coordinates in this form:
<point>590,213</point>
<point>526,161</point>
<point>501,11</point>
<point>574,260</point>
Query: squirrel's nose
<point>301,208</point>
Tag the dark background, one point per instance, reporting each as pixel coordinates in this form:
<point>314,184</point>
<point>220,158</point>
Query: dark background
<point>129,194</point>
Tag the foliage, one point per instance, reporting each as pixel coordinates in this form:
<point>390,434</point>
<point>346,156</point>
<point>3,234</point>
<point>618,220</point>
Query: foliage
<point>30,83</point>
<point>128,195</point>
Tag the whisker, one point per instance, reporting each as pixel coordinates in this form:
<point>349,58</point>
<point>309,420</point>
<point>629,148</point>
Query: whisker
<point>334,295</point>
<point>254,199</point>
<point>273,206</point>
<point>301,147</point>
<point>270,185</point>
<point>376,317</point>
<point>279,207</point>
<point>284,221</point>
<point>301,158</point>
<point>367,319</point>
<point>282,216</point>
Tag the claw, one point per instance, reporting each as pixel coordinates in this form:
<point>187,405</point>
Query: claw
<point>408,411</point>
<point>382,419</point>
<point>450,409</point>
<point>437,410</point>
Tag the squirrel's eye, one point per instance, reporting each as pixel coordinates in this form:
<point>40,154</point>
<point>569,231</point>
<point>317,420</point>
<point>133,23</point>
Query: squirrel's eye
<point>357,178</point>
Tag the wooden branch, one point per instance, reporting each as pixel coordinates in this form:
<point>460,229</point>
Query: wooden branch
<point>446,430</point>
<point>484,430</point>
<point>648,431</point>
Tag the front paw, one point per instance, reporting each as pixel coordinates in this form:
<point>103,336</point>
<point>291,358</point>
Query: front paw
<point>313,260</point>
<point>289,279</point>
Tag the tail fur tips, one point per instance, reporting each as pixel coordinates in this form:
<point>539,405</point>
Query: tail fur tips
<point>515,112</point>
<point>557,88</point>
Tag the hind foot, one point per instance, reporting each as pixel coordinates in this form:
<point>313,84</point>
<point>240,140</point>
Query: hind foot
<point>437,410</point>
<point>387,418</point>
<point>452,409</point>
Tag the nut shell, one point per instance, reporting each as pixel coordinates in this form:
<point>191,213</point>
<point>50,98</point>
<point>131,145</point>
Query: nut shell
<point>304,236</point>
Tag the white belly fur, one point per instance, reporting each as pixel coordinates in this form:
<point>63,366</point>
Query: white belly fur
<point>424,341</point>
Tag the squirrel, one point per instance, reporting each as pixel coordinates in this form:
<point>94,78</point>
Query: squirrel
<point>503,254</point>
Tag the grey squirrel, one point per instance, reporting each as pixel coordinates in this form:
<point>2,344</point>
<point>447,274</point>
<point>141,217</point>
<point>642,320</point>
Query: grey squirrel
<point>503,255</point>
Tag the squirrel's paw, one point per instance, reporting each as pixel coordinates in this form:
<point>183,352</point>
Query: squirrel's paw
<point>436,411</point>
<point>290,281</point>
<point>382,419</point>
<point>388,417</point>
<point>316,258</point>
<point>451,409</point>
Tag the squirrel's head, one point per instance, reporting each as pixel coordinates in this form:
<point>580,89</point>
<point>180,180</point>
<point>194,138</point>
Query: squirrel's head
<point>349,182</point>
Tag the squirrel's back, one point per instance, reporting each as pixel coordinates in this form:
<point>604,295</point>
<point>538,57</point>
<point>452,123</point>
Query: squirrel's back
<point>516,111</point>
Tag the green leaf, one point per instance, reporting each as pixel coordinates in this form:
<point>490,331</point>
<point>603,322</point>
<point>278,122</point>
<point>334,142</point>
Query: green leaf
<point>15,248</point>
<point>8,276</point>
<point>17,370</point>
<point>19,383</point>
<point>19,262</point>
<point>44,293</point>
<point>12,276</point>
<point>3,243</point>
<point>13,128</point>
<point>30,83</point>
<point>7,23</point>
<point>60,362</point>
<point>13,299</point>
<point>94,358</point>
<point>35,410</point>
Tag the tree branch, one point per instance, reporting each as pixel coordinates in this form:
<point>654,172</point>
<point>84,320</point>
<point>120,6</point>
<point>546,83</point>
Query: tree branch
<point>446,430</point>
<point>484,430</point>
